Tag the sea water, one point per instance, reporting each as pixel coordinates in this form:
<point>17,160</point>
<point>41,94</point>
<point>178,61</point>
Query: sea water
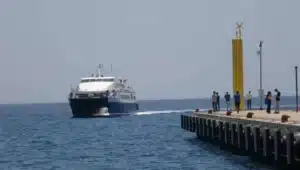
<point>45,136</point>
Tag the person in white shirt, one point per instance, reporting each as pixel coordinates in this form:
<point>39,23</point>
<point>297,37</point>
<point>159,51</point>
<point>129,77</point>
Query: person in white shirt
<point>249,100</point>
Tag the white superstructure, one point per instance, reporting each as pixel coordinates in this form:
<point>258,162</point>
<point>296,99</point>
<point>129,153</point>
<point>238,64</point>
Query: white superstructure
<point>116,89</point>
<point>95,84</point>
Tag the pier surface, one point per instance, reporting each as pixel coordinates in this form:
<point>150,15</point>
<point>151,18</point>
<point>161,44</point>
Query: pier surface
<point>260,115</point>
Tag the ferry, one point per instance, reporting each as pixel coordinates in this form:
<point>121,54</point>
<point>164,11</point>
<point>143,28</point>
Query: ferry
<point>102,96</point>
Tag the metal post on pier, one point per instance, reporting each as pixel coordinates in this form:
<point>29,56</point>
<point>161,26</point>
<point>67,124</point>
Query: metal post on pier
<point>296,80</point>
<point>259,52</point>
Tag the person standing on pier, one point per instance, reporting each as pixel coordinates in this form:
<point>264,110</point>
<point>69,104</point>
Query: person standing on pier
<point>237,101</point>
<point>227,100</point>
<point>218,101</point>
<point>277,101</point>
<point>249,100</point>
<point>214,101</point>
<point>268,102</point>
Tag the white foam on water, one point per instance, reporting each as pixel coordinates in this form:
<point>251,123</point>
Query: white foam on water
<point>166,111</point>
<point>180,111</point>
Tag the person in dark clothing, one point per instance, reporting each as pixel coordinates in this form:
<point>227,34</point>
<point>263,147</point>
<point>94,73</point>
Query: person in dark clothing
<point>268,101</point>
<point>227,100</point>
<point>214,101</point>
<point>277,101</point>
<point>218,101</point>
<point>237,101</point>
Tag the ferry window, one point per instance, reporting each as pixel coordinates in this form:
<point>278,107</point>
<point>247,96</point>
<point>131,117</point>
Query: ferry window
<point>98,80</point>
<point>109,80</point>
<point>105,80</point>
<point>84,81</point>
<point>125,96</point>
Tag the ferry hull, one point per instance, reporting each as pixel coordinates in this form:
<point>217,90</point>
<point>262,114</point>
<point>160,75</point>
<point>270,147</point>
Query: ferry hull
<point>92,107</point>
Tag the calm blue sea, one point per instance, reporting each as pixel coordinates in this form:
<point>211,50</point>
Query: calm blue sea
<point>44,136</point>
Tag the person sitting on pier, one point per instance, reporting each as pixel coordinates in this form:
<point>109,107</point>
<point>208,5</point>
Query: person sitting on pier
<point>218,101</point>
<point>237,101</point>
<point>249,100</point>
<point>227,101</point>
<point>268,101</point>
<point>214,101</point>
<point>277,101</point>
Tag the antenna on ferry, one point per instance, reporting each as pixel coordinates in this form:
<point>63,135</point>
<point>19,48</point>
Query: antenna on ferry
<point>110,68</point>
<point>99,70</point>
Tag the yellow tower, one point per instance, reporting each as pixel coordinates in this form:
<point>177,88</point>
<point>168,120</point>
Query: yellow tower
<point>237,64</point>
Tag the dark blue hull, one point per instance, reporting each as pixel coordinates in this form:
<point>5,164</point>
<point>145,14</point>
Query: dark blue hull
<point>91,106</point>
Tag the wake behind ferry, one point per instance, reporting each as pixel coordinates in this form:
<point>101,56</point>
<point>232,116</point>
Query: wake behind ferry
<point>103,96</point>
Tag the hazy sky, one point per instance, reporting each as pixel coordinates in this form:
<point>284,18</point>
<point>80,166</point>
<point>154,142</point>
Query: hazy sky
<point>166,48</point>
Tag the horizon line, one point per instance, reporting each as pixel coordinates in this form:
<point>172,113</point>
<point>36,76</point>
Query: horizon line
<point>141,100</point>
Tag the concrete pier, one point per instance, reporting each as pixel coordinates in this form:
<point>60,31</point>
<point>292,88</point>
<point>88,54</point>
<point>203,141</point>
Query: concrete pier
<point>265,137</point>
